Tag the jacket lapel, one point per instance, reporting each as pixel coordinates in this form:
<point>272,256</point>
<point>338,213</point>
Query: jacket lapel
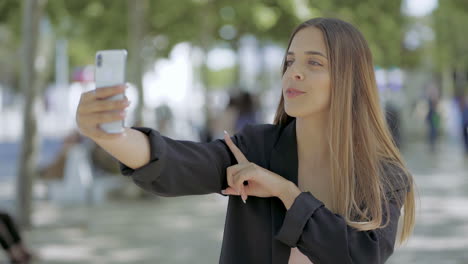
<point>283,161</point>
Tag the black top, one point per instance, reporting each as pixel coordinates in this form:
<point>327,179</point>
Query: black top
<point>262,230</point>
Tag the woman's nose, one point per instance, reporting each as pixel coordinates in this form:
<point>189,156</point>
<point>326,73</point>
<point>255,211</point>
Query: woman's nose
<point>298,76</point>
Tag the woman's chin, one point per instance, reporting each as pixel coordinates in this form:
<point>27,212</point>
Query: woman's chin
<point>296,110</point>
<point>292,112</point>
<point>301,113</point>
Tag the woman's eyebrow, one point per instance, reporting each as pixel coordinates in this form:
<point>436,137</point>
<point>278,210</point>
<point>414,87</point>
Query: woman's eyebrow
<point>310,52</point>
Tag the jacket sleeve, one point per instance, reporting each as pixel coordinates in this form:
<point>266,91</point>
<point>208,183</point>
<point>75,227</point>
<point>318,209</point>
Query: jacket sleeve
<point>326,238</point>
<point>179,167</point>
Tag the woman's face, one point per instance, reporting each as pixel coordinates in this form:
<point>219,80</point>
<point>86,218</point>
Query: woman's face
<point>307,71</point>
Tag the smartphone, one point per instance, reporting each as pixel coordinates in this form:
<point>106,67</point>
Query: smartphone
<point>110,71</point>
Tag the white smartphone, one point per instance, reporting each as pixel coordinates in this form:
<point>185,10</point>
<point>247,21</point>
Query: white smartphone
<point>110,71</point>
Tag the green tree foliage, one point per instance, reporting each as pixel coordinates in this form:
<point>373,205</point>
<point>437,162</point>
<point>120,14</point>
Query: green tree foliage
<point>451,25</point>
<point>101,24</point>
<point>89,26</point>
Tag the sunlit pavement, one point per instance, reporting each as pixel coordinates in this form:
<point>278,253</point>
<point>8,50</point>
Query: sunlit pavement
<point>165,230</point>
<point>441,232</point>
<point>189,229</point>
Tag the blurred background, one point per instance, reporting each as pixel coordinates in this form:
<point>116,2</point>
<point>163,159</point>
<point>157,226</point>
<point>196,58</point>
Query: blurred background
<point>196,68</point>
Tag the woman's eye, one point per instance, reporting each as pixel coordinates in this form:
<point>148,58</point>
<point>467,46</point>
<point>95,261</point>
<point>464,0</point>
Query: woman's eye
<point>315,63</point>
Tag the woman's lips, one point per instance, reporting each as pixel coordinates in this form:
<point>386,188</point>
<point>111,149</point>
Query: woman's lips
<point>291,92</point>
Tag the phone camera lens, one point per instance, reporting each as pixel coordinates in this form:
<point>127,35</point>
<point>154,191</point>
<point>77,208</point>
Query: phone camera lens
<point>99,60</point>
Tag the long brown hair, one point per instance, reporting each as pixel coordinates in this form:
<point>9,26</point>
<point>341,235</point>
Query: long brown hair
<point>361,147</point>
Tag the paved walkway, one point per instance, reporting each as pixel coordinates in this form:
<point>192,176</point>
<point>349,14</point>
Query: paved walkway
<point>441,233</point>
<point>189,229</point>
<point>165,230</point>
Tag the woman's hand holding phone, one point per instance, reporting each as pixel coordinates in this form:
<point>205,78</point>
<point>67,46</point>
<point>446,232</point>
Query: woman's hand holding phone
<point>94,110</point>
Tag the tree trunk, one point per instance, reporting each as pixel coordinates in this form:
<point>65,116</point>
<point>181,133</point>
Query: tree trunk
<point>136,32</point>
<point>27,164</point>
<point>238,81</point>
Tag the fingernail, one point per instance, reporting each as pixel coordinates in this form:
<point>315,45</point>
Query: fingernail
<point>226,133</point>
<point>223,191</point>
<point>244,198</point>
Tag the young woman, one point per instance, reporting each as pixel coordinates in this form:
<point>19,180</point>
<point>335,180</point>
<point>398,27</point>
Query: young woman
<point>323,184</point>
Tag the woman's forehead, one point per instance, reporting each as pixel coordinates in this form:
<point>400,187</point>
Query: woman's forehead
<point>308,39</point>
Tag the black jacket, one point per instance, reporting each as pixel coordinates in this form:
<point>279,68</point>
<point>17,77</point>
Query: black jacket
<point>262,231</point>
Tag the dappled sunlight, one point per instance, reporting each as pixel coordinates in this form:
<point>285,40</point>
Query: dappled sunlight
<point>133,255</point>
<point>438,244</point>
<point>163,230</point>
<point>70,253</point>
<point>442,206</point>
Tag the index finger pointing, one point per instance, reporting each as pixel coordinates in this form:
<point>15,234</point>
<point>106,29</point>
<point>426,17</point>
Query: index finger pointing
<point>234,149</point>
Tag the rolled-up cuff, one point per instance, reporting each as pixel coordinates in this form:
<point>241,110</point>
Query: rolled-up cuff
<point>296,218</point>
<point>157,148</point>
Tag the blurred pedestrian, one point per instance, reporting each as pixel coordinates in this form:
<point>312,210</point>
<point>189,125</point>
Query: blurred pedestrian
<point>433,123</point>
<point>54,170</point>
<point>226,119</point>
<point>11,241</point>
<point>464,114</point>
<point>247,113</point>
<point>392,116</point>
<point>164,118</point>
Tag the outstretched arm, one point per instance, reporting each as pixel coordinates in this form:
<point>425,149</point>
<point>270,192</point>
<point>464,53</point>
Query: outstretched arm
<point>179,167</point>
